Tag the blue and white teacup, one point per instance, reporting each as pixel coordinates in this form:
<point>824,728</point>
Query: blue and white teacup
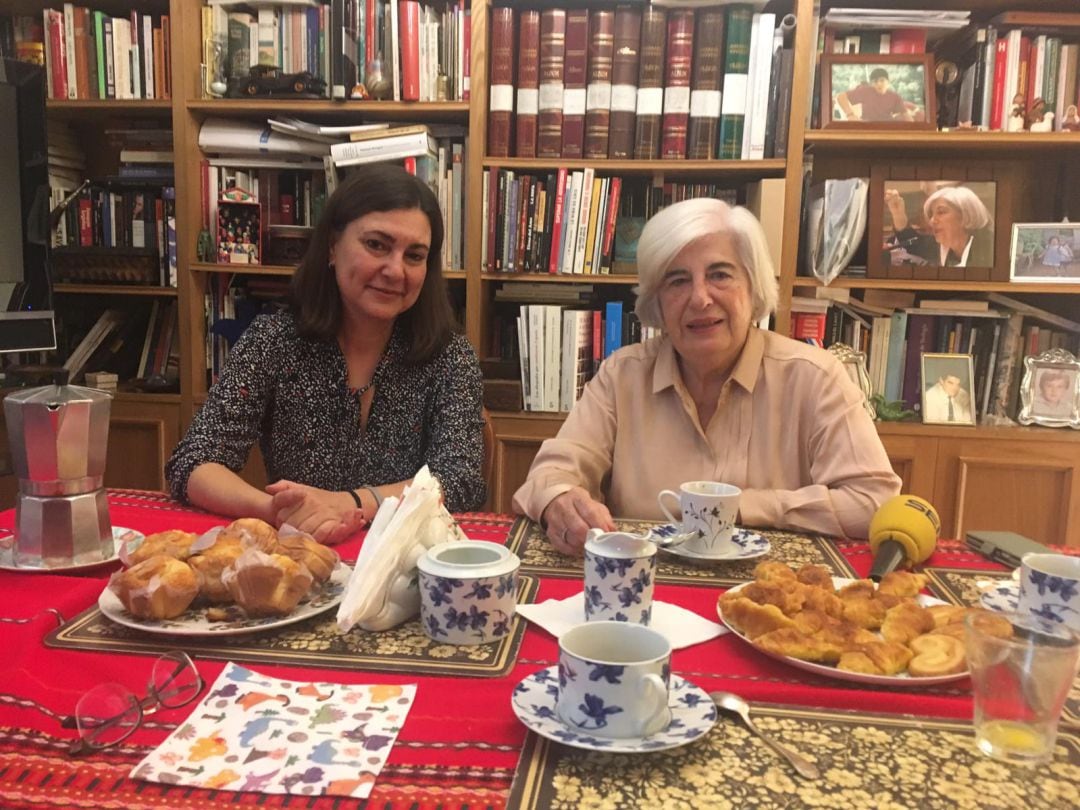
<point>614,679</point>
<point>1050,588</point>
<point>707,512</point>
<point>468,592</point>
<point>620,573</point>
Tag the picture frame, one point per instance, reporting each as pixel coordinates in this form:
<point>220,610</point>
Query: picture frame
<point>948,385</point>
<point>873,91</point>
<point>854,363</point>
<point>1050,390</point>
<point>1045,252</point>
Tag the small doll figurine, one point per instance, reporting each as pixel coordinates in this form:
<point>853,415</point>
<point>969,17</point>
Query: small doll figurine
<point>1016,116</point>
<point>1070,122</point>
<point>1035,112</point>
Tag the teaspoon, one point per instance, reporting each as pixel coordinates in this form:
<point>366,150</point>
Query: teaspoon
<point>734,703</point>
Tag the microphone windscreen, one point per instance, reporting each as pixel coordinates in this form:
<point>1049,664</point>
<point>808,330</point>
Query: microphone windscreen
<point>909,520</point>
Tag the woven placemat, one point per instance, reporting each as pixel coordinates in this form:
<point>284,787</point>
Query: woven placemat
<point>527,540</point>
<point>866,760</point>
<point>315,642</point>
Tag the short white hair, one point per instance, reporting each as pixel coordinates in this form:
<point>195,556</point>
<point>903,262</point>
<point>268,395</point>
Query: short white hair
<point>973,214</point>
<point>672,229</point>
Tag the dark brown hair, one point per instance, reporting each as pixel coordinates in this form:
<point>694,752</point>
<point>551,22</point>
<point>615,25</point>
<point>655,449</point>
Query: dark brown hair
<point>315,299</point>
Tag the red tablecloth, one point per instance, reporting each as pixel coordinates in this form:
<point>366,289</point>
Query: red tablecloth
<point>460,744</point>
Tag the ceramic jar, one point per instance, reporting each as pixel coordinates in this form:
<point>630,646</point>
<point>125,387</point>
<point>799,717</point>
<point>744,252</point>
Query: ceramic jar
<point>468,592</point>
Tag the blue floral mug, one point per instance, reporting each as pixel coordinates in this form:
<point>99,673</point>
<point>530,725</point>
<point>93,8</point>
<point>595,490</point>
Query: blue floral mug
<point>614,679</point>
<point>620,572</point>
<point>1050,588</point>
<point>707,515</point>
<point>468,592</point>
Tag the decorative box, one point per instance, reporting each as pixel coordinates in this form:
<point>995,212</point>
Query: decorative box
<point>239,233</point>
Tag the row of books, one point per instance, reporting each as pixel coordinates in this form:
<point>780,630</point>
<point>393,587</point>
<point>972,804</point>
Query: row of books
<point>91,55</point>
<point>133,344</point>
<point>639,82</point>
<point>422,49</point>
<point>1021,71</point>
<point>230,305</point>
<point>572,222</point>
<point>997,333</point>
<point>113,214</point>
<point>560,349</point>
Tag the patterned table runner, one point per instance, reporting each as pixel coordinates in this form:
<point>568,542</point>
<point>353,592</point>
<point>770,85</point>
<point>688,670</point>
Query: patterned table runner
<point>527,540</point>
<point>866,760</point>
<point>315,642</point>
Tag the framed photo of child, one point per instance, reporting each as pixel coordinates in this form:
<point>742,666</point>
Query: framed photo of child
<point>878,91</point>
<point>1050,390</point>
<point>1045,252</point>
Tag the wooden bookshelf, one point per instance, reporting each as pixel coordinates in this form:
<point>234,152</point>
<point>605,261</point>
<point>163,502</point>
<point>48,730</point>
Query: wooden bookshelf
<point>682,168</point>
<point>966,141</point>
<point>61,288</point>
<point>938,286</point>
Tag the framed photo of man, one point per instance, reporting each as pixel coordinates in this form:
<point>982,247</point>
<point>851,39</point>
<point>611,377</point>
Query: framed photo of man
<point>878,91</point>
<point>948,381</point>
<point>1045,252</point>
<point>1050,390</point>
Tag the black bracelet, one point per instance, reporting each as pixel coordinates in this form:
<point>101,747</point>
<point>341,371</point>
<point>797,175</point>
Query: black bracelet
<point>356,499</point>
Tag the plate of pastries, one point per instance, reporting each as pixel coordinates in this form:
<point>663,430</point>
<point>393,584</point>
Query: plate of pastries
<point>852,629</point>
<point>233,579</point>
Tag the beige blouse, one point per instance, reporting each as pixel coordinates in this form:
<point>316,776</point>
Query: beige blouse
<point>790,430</point>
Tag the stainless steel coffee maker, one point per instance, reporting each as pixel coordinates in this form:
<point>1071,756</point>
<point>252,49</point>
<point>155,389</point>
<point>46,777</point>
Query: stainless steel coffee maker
<point>58,436</point>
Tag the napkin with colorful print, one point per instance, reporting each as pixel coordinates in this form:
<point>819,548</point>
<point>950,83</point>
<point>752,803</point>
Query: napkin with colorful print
<point>262,734</point>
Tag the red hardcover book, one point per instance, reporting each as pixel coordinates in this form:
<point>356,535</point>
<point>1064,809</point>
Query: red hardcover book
<point>609,225</point>
<point>809,327</point>
<point>370,43</point>
<point>597,340</point>
<point>557,222</point>
<point>908,40</point>
<point>86,221</point>
<point>997,108</point>
<point>680,53</point>
<point>82,52</point>
<point>624,78</point>
<point>501,91</point>
<point>409,23</point>
<point>552,51</point>
<point>650,94</point>
<point>575,66</point>
<point>54,22</point>
<point>705,85</point>
<point>598,93</point>
<point>528,83</point>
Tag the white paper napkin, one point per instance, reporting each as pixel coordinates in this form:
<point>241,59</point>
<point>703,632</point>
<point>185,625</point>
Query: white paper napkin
<point>681,627</point>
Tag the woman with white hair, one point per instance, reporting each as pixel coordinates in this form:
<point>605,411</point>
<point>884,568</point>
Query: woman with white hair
<point>960,229</point>
<point>714,398</point>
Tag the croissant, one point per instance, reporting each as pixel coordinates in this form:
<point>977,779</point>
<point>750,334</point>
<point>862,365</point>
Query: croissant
<point>902,583</point>
<point>817,575</point>
<point>787,595</point>
<point>792,643</point>
<point>866,613</point>
<point>752,619</point>
<point>905,622</point>
<point>771,570</point>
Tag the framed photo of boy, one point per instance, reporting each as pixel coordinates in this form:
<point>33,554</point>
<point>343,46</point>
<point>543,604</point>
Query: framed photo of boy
<point>948,381</point>
<point>1045,252</point>
<point>1050,390</point>
<point>878,91</point>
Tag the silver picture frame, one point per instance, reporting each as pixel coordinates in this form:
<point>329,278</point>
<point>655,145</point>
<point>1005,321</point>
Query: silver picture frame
<point>948,386</point>
<point>1050,390</point>
<point>855,365</point>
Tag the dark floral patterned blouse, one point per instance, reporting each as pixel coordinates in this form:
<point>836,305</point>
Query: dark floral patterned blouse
<point>292,396</point>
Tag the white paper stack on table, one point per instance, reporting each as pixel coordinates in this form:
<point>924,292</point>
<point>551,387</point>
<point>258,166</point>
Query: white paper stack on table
<point>382,591</point>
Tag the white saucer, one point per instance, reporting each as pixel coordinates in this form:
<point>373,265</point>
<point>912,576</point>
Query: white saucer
<point>120,537</point>
<point>748,545</point>
<point>692,715</point>
<point>1002,597</point>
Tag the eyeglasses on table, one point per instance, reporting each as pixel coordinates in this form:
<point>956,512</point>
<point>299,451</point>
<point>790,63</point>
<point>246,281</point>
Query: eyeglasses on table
<point>110,712</point>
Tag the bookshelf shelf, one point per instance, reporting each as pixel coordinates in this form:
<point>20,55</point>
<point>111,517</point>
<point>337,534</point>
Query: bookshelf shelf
<point>375,110</point>
<point>243,269</point>
<point>684,168</point>
<point>561,278</point>
<point>69,108</point>
<point>942,141</point>
<point>940,286</point>
<point>114,289</point>
<point>147,398</point>
<point>455,275</point>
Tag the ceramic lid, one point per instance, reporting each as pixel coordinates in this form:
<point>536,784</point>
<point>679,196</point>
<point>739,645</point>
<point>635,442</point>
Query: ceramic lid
<point>468,559</point>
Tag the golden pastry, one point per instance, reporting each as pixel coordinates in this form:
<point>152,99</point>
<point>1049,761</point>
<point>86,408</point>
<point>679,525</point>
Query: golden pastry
<point>889,658</point>
<point>267,584</point>
<point>905,622</point>
<point>252,532</point>
<point>817,575</point>
<point>752,619</point>
<point>211,563</point>
<point>160,587</point>
<point>902,583</point>
<point>792,643</point>
<point>319,559</point>
<point>936,655</point>
<point>865,612</point>
<point>788,595</point>
<point>175,544</point>
<point>771,569</point>
<point>944,615</point>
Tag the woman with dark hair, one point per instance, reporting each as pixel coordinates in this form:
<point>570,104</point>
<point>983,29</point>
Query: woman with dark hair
<point>356,386</point>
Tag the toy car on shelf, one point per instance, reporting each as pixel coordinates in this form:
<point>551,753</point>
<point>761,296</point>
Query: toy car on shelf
<point>268,80</point>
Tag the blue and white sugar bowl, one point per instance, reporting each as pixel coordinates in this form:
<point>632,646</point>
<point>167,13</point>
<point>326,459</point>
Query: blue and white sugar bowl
<point>468,591</point>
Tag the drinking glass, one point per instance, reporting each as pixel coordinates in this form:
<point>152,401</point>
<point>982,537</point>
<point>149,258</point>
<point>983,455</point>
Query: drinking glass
<point>110,712</point>
<point>1020,683</point>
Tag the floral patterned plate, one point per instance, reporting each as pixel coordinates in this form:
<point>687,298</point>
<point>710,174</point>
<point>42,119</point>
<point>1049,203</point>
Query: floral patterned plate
<point>1002,597</point>
<point>194,621</point>
<point>843,675</point>
<point>120,537</point>
<point>692,715</point>
<point>750,544</point>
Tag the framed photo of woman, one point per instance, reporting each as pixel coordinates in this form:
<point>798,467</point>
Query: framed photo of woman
<point>1045,252</point>
<point>1050,390</point>
<point>878,91</point>
<point>948,381</point>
